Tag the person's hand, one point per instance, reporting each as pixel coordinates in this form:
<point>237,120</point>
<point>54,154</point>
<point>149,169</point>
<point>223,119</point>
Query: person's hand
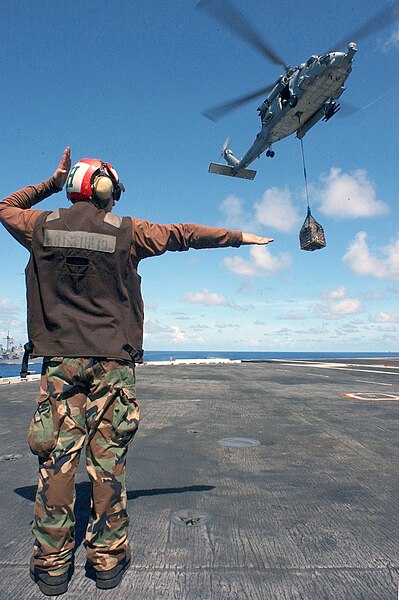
<point>251,238</point>
<point>61,173</point>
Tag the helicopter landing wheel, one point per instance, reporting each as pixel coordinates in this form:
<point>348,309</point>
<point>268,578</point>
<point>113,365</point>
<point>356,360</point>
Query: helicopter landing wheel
<point>270,153</point>
<point>293,101</point>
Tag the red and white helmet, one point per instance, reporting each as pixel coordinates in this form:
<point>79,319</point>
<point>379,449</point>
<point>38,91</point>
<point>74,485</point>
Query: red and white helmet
<point>81,180</point>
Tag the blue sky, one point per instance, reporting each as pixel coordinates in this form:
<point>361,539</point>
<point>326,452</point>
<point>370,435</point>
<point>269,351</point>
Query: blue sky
<point>126,81</point>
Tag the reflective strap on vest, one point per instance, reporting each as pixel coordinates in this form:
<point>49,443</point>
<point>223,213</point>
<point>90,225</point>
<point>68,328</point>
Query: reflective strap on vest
<point>98,242</point>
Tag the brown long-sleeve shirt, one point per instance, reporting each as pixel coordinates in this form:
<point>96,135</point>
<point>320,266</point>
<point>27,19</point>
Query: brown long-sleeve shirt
<point>120,321</point>
<point>149,239</point>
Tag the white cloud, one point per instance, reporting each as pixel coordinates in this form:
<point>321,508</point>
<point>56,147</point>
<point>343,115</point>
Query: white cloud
<point>262,263</point>
<point>385,317</point>
<point>13,327</point>
<point>314,331</point>
<point>240,266</point>
<point>223,325</point>
<point>170,332</point>
<point>337,305</point>
<point>283,331</point>
<point>9,320</point>
<point>292,315</point>
<point>235,217</point>
<point>7,307</point>
<point>348,306</point>
<point>180,316</point>
<point>386,328</point>
<point>363,262</point>
<point>178,335</point>
<point>276,210</point>
<point>370,296</point>
<point>155,327</point>
<point>151,305</point>
<point>199,327</point>
<point>344,195</point>
<point>205,297</point>
<point>254,343</point>
<point>334,294</point>
<point>350,328</point>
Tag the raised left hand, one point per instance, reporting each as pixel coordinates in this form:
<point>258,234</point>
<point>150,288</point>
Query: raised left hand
<point>61,173</point>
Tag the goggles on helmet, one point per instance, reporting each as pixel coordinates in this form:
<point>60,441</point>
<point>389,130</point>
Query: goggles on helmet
<point>81,178</point>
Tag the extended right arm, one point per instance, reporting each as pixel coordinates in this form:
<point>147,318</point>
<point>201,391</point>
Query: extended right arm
<point>153,239</point>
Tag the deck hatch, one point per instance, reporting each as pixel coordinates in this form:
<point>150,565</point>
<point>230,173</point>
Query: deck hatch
<point>190,518</point>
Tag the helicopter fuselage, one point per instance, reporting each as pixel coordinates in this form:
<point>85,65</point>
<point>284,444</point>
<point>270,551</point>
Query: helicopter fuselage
<point>297,102</point>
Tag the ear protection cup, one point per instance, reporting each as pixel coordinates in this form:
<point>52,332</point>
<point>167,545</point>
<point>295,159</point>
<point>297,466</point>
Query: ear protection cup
<point>103,187</point>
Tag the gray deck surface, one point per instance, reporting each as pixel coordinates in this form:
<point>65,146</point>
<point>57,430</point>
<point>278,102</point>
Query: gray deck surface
<point>310,513</point>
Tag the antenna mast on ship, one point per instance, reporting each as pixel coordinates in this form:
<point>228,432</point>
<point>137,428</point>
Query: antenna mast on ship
<point>10,342</point>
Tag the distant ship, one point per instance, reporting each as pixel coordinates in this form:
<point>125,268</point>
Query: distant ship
<point>12,354</point>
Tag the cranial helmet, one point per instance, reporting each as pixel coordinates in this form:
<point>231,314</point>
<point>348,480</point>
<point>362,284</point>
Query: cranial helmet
<point>93,179</point>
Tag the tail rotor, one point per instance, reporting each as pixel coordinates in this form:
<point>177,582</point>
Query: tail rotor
<point>225,149</point>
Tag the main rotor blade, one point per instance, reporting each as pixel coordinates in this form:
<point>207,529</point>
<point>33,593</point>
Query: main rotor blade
<point>383,18</point>
<point>226,12</point>
<point>214,113</point>
<point>348,110</point>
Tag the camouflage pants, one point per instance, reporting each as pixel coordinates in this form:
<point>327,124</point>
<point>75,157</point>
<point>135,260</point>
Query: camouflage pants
<point>82,392</point>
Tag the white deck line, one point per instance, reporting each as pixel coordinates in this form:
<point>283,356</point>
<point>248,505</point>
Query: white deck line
<point>334,366</point>
<point>370,366</point>
<point>192,361</point>
<point>319,375</point>
<point>373,382</point>
<point>177,362</point>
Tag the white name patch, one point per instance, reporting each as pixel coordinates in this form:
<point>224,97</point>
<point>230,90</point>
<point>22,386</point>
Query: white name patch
<point>97,242</point>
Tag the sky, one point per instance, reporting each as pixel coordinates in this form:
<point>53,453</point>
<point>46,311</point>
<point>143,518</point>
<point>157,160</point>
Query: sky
<point>126,82</point>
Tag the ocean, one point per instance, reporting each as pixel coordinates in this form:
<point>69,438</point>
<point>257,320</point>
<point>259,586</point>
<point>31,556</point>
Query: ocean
<point>161,355</point>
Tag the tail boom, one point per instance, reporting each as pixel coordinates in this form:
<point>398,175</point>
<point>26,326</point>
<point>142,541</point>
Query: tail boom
<point>231,171</point>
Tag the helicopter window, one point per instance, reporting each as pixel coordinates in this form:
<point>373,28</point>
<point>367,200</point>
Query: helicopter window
<point>284,96</point>
<point>310,61</point>
<point>264,106</point>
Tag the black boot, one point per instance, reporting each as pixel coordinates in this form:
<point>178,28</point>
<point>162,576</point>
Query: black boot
<point>106,580</point>
<point>49,585</point>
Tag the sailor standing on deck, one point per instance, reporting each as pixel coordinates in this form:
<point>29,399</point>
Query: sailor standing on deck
<point>85,317</point>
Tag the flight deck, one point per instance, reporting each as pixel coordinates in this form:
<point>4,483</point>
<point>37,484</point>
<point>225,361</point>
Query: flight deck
<point>270,480</point>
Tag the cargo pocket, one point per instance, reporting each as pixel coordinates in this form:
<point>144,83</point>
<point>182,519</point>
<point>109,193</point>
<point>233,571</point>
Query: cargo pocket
<point>43,432</point>
<point>125,419</point>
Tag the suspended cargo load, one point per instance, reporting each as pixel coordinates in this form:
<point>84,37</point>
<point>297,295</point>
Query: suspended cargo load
<point>311,236</point>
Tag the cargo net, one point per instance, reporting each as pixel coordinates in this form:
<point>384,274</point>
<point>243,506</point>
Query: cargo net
<point>311,236</point>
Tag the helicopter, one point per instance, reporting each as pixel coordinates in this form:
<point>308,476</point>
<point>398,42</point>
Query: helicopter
<point>299,98</point>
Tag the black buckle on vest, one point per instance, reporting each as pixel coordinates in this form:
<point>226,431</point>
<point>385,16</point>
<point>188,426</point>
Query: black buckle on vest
<point>28,347</point>
<point>135,355</point>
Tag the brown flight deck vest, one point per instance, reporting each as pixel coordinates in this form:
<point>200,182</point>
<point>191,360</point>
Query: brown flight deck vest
<point>83,290</point>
